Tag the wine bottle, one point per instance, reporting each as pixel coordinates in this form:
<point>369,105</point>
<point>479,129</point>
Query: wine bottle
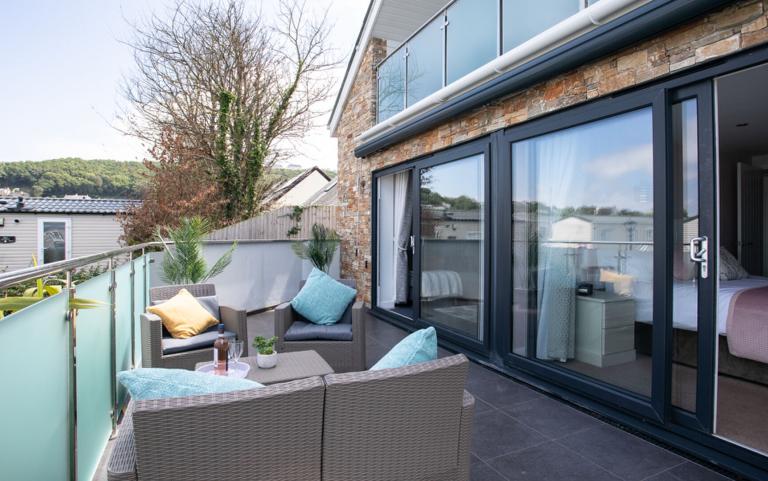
<point>221,352</point>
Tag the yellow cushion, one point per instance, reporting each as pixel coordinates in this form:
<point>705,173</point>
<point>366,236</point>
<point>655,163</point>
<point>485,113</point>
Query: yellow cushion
<point>183,316</point>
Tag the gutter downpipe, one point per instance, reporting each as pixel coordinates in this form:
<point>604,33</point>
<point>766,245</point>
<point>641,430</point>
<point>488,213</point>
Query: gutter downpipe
<point>594,15</point>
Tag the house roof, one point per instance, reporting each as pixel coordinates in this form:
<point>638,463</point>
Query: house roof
<point>328,195</point>
<point>286,186</point>
<point>391,20</point>
<point>58,205</point>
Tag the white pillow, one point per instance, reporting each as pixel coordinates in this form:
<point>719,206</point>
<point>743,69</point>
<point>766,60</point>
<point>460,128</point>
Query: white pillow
<point>730,269</point>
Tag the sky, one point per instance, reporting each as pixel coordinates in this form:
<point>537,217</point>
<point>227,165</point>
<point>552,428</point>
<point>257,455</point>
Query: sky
<point>61,63</point>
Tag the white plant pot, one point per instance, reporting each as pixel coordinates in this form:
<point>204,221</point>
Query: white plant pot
<point>266,361</point>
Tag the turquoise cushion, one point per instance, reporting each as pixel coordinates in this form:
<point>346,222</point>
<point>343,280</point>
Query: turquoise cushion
<point>156,383</point>
<point>323,299</point>
<point>420,346</point>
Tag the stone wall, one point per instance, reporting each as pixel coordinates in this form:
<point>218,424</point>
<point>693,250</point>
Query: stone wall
<point>736,27</point>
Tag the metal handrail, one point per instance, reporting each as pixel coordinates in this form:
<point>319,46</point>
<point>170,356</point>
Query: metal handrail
<point>14,277</point>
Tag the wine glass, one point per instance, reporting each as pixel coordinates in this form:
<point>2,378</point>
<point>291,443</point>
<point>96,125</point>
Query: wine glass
<point>235,350</point>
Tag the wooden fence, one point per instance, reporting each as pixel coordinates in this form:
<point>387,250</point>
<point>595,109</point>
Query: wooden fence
<point>276,224</point>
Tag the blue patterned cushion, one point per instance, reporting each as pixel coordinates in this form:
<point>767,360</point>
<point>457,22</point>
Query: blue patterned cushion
<point>323,299</point>
<point>156,383</point>
<point>420,346</point>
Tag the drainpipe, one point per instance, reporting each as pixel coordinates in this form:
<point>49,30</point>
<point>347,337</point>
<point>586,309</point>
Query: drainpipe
<point>573,26</point>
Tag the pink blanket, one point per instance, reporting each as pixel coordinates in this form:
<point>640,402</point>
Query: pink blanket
<point>747,325</point>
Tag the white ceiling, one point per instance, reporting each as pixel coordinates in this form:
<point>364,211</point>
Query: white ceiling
<point>398,19</point>
<point>742,97</point>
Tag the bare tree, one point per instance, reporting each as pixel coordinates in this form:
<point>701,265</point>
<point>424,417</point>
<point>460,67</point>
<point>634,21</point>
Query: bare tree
<point>232,86</point>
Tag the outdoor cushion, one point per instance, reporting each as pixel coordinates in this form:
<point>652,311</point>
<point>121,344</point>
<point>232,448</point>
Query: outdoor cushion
<point>210,303</point>
<point>306,331</point>
<point>171,345</point>
<point>156,383</point>
<point>183,316</point>
<point>323,299</point>
<point>420,346</point>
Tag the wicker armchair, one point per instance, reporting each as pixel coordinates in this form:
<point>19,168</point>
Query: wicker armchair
<point>343,356</point>
<point>152,330</point>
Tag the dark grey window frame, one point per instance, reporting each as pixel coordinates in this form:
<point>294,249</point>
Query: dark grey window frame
<point>656,417</point>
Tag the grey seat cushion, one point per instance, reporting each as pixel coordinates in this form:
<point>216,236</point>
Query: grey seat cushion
<point>171,345</point>
<point>306,331</point>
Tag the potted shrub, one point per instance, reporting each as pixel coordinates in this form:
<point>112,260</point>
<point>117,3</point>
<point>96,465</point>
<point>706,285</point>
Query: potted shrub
<point>320,249</point>
<point>266,357</point>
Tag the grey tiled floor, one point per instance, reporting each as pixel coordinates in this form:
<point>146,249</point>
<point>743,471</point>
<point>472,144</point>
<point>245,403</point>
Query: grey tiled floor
<point>521,434</point>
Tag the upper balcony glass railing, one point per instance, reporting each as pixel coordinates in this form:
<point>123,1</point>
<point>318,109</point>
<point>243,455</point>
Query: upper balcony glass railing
<point>461,37</point>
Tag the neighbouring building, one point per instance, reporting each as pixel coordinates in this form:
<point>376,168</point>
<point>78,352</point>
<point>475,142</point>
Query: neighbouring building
<point>298,190</point>
<point>574,192</point>
<point>53,229</point>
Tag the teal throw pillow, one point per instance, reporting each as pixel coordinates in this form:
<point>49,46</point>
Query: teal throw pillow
<point>323,299</point>
<point>156,383</point>
<point>420,346</point>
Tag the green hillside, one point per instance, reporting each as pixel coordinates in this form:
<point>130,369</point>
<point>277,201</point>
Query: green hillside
<point>96,178</point>
<point>59,177</point>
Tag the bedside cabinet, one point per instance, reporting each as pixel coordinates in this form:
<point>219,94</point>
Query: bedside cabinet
<point>605,329</point>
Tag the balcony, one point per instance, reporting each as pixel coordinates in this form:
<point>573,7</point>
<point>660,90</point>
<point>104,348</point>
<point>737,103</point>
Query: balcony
<point>59,415</point>
<point>461,37</point>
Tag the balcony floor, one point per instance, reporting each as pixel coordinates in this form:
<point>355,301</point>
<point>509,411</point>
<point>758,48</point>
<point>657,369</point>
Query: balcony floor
<point>522,434</point>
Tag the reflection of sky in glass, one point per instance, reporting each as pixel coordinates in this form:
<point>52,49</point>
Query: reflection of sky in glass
<point>606,163</point>
<point>454,179</point>
<point>690,158</point>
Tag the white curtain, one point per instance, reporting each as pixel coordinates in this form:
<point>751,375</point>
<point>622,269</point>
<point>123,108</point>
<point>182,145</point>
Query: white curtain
<point>402,221</point>
<point>551,174</point>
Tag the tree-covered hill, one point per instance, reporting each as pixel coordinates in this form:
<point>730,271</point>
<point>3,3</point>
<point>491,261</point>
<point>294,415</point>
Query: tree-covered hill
<point>59,177</point>
<point>96,178</point>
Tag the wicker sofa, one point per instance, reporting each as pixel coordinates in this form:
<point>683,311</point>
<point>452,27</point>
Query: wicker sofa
<point>412,423</point>
<point>343,356</point>
<point>152,351</point>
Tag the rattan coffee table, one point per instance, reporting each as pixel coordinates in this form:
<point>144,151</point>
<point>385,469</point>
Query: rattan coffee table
<point>290,366</point>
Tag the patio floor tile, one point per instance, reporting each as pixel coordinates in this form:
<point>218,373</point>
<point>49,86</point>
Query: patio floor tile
<point>495,434</point>
<point>549,462</point>
<point>621,453</point>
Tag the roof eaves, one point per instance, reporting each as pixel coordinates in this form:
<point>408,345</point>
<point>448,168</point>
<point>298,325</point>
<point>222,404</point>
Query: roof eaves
<point>353,65</point>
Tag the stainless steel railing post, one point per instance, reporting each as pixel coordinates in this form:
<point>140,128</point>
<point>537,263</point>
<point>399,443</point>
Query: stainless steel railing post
<point>72,401</point>
<point>113,345</point>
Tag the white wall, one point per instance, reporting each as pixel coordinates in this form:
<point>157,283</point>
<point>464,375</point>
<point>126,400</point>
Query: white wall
<point>91,234</point>
<point>262,273</point>
<point>302,191</point>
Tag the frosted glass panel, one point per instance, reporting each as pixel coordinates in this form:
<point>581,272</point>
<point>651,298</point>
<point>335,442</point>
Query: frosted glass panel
<point>425,64</point>
<point>472,36</point>
<point>524,19</point>
<point>94,398</point>
<point>123,323</point>
<point>34,439</point>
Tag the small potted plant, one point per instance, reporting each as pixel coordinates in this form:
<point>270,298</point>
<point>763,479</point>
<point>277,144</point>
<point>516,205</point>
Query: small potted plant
<point>266,357</point>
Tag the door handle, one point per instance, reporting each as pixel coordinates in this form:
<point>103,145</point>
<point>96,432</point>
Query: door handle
<point>413,246</point>
<point>699,252</point>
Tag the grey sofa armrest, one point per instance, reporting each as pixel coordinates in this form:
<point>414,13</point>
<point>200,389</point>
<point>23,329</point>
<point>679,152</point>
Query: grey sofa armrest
<point>236,320</point>
<point>465,435</point>
<point>359,315</point>
<point>151,340</point>
<point>283,319</point>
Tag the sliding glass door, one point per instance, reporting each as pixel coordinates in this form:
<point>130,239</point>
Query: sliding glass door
<point>452,245</point>
<point>431,261</point>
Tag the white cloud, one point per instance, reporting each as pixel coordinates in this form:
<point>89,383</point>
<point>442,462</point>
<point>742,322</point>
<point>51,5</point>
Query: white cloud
<point>611,166</point>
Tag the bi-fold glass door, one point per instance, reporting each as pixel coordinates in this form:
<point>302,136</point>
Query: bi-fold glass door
<point>432,243</point>
<point>602,199</point>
